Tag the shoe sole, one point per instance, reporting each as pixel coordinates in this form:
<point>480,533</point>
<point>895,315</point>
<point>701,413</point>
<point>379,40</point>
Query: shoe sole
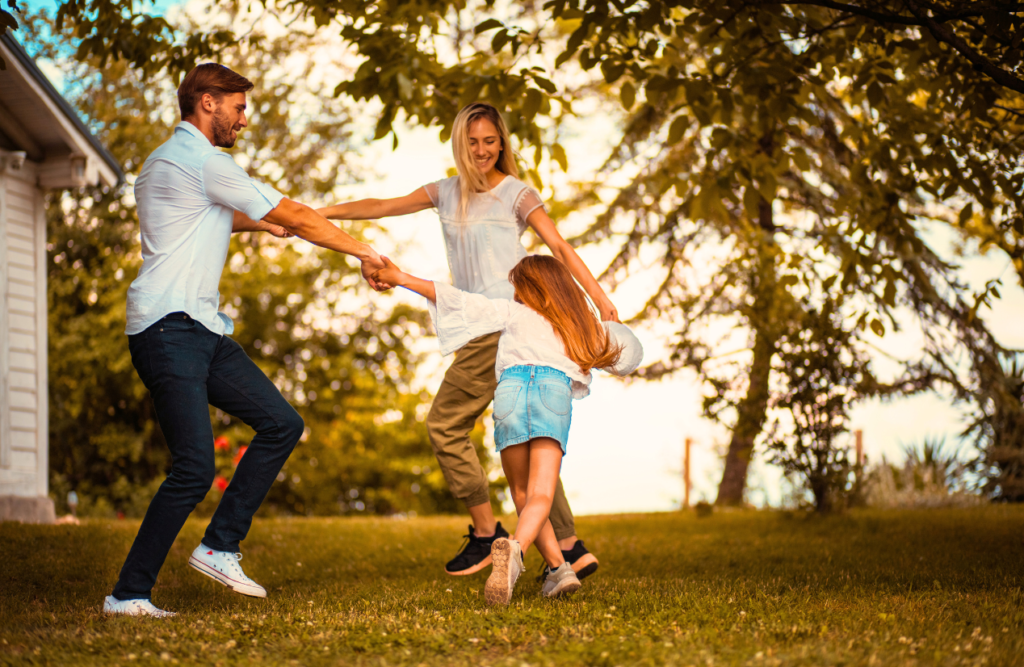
<point>138,614</point>
<point>498,589</point>
<point>564,588</point>
<point>585,566</point>
<point>473,569</point>
<point>236,586</point>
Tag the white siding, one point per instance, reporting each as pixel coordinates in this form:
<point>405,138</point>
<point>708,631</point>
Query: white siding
<point>5,351</point>
<point>23,460</point>
<point>23,420</point>
<point>23,400</point>
<point>42,372</point>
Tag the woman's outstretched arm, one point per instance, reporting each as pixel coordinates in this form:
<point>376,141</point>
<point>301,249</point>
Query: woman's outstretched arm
<point>392,275</point>
<point>372,209</point>
<point>560,248</point>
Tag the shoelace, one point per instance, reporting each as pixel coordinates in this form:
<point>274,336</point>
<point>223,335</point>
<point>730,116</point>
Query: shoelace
<point>238,567</point>
<point>465,542</point>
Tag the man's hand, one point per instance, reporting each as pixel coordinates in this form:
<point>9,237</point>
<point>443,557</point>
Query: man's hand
<point>369,268</point>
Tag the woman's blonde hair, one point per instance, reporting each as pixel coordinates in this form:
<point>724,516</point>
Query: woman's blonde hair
<point>471,180</point>
<point>545,285</point>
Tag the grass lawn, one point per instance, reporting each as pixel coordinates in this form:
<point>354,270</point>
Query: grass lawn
<point>938,587</point>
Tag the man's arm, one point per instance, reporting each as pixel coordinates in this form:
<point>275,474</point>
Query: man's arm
<point>307,224</point>
<point>243,223</point>
<point>227,184</point>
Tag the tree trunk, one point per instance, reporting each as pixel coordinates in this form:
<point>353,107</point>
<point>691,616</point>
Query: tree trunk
<point>752,410</point>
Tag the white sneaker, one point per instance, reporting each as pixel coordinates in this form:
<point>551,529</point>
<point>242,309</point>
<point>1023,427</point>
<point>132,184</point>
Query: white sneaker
<point>507,565</point>
<point>223,566</point>
<point>112,605</point>
<point>559,581</point>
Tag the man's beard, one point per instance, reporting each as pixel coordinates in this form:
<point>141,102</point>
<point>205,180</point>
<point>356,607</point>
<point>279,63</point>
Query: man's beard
<point>222,130</point>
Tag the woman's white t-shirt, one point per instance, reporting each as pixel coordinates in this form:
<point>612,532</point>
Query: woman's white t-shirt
<point>483,244</point>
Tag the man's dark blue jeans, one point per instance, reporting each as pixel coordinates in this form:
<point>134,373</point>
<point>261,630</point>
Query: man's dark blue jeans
<point>187,368</point>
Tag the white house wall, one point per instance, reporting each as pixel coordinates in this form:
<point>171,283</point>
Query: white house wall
<point>23,404</point>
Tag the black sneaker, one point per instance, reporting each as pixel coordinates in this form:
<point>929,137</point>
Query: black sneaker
<point>475,554</point>
<point>582,561</point>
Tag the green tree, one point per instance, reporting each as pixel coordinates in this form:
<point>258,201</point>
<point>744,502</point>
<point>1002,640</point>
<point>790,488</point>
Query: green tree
<point>305,317</point>
<point>822,375</point>
<point>817,145</point>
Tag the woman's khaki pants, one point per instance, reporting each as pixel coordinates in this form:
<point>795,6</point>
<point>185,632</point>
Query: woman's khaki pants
<point>467,390</point>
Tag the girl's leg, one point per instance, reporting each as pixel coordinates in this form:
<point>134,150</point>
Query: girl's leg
<point>548,546</point>
<point>532,472</point>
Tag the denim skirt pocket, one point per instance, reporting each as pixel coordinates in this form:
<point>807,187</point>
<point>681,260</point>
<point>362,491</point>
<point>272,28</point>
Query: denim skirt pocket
<point>556,397</point>
<point>505,398</point>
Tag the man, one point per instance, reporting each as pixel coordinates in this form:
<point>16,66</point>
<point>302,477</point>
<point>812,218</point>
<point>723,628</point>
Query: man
<point>191,197</point>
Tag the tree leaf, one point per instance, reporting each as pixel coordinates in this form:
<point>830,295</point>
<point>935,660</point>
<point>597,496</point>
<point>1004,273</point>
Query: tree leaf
<point>501,38</point>
<point>965,214</point>
<point>612,70</point>
<point>628,95</point>
<point>788,280</point>
<point>532,103</point>
<point>889,295</point>
<point>751,202</point>
<point>545,84</point>
<point>677,128</point>
<point>489,24</point>
<point>558,154</point>
<point>7,21</point>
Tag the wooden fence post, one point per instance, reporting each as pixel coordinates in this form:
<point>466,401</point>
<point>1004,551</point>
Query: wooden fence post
<point>686,473</point>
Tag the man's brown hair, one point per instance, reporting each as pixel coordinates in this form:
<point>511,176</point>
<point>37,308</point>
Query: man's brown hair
<point>211,78</point>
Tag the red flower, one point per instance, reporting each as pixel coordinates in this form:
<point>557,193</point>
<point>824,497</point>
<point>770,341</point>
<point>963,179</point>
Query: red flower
<point>240,454</point>
<point>220,482</point>
<point>221,443</point>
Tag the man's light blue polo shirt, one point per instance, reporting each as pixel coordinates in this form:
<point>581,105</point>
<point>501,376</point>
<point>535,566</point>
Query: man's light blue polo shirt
<point>186,194</point>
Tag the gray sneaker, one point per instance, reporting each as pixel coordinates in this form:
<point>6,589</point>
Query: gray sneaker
<point>560,580</point>
<point>506,566</point>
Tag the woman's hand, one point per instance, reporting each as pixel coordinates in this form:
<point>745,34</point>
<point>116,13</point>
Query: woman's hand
<point>608,311</point>
<point>390,274</point>
<point>278,231</point>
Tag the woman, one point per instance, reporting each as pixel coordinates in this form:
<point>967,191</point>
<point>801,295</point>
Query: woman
<point>484,211</point>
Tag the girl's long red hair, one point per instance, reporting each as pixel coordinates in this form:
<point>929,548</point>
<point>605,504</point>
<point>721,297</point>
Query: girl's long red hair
<point>545,285</point>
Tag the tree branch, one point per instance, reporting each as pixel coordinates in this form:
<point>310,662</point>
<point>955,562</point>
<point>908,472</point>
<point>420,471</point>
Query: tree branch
<point>980,62</point>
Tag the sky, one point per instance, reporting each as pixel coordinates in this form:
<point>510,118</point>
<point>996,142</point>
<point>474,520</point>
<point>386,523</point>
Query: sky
<point>626,443</point>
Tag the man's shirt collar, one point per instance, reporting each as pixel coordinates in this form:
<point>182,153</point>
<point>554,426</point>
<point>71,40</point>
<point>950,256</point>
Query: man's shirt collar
<point>193,130</point>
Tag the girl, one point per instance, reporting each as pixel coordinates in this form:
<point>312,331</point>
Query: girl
<point>550,340</point>
<point>484,210</point>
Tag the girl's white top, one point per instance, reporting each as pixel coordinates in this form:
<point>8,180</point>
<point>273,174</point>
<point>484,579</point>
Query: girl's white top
<point>527,339</point>
<point>483,244</point>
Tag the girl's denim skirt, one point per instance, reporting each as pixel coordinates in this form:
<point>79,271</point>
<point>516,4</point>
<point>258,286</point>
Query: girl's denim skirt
<point>532,402</point>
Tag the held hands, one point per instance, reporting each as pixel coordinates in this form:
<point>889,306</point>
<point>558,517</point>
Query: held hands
<point>390,274</point>
<point>370,267</point>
